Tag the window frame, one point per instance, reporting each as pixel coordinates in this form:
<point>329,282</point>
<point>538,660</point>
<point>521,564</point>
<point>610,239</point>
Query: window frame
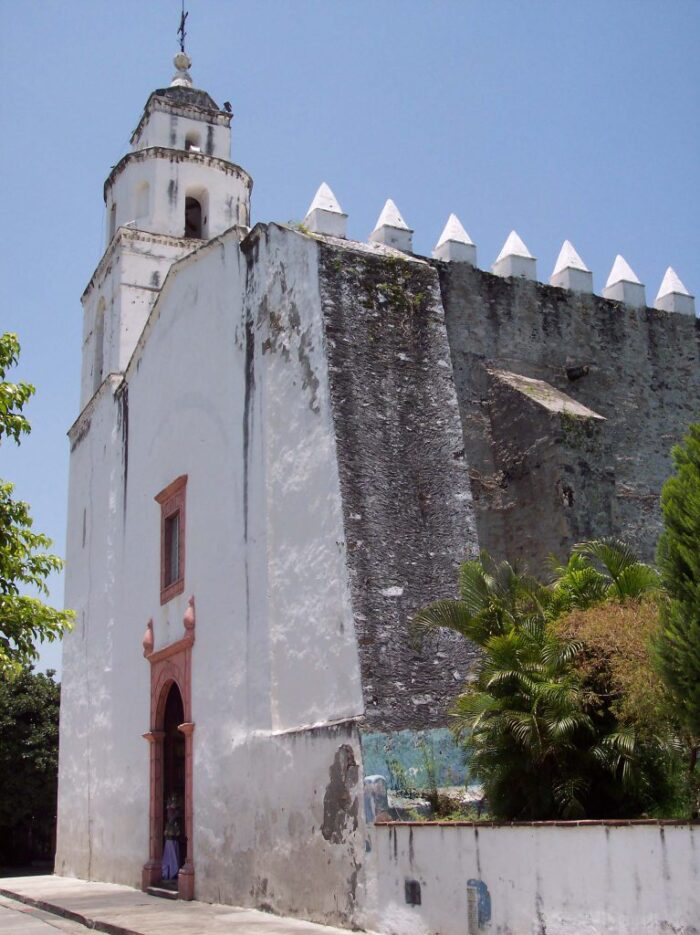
<point>172,501</point>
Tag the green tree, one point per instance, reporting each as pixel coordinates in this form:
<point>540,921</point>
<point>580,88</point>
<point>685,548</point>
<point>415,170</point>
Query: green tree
<point>29,706</point>
<point>600,570</point>
<point>545,740</point>
<point>678,646</point>
<point>25,562</point>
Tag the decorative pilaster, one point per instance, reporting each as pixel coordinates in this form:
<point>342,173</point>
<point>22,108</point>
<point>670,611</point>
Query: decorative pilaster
<point>152,868</point>
<point>185,878</point>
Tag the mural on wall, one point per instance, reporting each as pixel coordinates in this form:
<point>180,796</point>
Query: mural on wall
<point>411,760</point>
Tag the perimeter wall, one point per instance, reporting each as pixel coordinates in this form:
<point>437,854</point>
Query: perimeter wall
<point>567,878</point>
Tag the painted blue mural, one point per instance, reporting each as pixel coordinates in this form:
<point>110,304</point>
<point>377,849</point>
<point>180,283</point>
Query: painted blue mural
<point>478,903</point>
<point>411,760</point>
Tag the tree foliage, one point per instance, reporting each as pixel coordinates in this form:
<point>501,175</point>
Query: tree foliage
<point>29,706</point>
<point>25,562</point>
<point>678,646</point>
<point>615,658</point>
<point>597,571</point>
<point>13,396</point>
<point>542,720</point>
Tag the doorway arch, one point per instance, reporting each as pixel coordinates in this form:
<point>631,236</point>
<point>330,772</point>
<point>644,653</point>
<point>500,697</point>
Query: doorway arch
<point>172,791</point>
<point>170,750</point>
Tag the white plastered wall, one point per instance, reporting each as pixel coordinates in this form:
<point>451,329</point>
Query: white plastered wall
<point>98,690</point>
<point>234,394</point>
<point>172,178</point>
<point>167,128</point>
<point>129,279</point>
<point>588,880</point>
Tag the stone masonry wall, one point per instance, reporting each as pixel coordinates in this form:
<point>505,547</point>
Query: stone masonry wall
<point>405,488</point>
<point>637,368</point>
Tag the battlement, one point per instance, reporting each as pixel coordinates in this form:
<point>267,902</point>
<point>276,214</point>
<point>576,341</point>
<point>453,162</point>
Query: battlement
<point>325,216</point>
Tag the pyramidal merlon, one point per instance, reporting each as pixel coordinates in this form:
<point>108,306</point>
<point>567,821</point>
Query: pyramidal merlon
<point>325,216</point>
<point>621,272</point>
<point>514,246</point>
<point>391,217</point>
<point>455,232</point>
<point>325,200</point>
<point>671,283</point>
<point>569,259</point>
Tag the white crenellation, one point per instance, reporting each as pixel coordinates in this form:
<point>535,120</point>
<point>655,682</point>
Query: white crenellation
<point>455,245</point>
<point>515,260</point>
<point>623,285</point>
<point>325,216</point>
<point>392,230</point>
<point>673,295</point>
<point>570,272</point>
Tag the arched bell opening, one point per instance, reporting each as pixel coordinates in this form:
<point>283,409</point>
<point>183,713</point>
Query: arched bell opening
<point>197,213</point>
<point>142,200</point>
<point>193,142</point>
<point>193,218</point>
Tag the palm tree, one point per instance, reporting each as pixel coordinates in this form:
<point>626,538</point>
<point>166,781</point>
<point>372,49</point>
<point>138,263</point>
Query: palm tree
<point>597,571</point>
<point>540,743</point>
<point>524,724</point>
<point>493,599</point>
<point>522,720</point>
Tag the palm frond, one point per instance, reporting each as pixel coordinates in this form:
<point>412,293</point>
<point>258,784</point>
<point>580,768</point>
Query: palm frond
<point>613,554</point>
<point>451,614</point>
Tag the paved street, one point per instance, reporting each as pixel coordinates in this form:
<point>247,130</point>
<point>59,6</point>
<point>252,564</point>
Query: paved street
<point>18,919</point>
<point>120,910</point>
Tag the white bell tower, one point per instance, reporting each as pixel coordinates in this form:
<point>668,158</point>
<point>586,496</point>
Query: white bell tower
<point>175,190</point>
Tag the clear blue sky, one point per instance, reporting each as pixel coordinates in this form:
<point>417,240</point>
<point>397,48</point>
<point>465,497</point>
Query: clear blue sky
<point>560,119</point>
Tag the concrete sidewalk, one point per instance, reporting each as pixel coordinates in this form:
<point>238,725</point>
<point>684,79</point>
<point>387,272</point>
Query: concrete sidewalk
<point>120,910</point>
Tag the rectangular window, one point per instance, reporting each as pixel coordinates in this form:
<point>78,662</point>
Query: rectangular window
<point>172,539</point>
<point>172,549</point>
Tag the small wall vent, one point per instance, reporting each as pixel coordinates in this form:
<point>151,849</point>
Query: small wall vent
<point>412,889</point>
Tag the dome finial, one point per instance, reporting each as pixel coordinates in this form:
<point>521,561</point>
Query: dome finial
<point>182,77</point>
<point>182,61</point>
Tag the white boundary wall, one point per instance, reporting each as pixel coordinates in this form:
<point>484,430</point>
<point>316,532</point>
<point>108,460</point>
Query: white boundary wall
<point>584,878</point>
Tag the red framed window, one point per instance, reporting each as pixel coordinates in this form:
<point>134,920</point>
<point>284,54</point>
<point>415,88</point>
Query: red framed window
<point>172,538</point>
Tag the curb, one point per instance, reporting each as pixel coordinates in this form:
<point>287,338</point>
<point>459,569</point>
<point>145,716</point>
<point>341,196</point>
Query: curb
<point>57,910</point>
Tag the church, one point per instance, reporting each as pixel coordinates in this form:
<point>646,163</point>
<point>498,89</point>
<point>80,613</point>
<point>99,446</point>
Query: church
<point>288,442</point>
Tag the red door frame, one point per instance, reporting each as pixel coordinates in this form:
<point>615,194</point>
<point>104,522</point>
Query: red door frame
<point>171,664</point>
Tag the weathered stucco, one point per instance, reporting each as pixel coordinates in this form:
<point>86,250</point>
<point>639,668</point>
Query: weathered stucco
<point>228,385</point>
<point>557,879</point>
<point>542,481</point>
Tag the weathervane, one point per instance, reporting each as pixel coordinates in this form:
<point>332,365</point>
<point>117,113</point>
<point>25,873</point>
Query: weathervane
<point>182,61</point>
<point>181,31</point>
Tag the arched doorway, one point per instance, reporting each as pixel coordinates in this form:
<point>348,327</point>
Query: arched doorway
<point>173,787</point>
<point>170,753</point>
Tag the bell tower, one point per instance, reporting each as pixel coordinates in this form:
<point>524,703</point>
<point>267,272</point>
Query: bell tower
<point>172,192</point>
